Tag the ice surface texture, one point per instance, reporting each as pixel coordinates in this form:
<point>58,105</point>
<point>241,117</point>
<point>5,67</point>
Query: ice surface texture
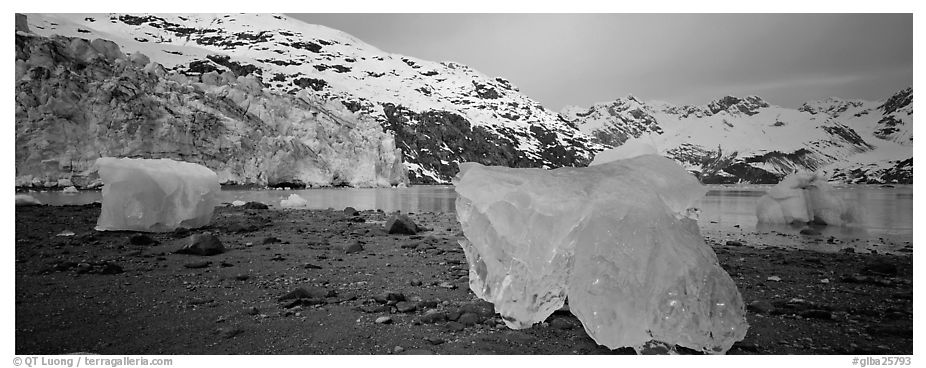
<point>612,238</point>
<point>804,197</point>
<point>155,195</point>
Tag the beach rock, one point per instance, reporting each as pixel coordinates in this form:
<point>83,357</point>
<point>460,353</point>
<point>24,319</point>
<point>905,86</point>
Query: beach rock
<point>434,340</point>
<point>470,319</point>
<point>350,211</point>
<point>353,246</point>
<point>410,245</point>
<point>734,243</point>
<point>433,316</point>
<point>384,320</point>
<point>562,323</point>
<point>880,267</point>
<point>202,264</point>
<point>374,308</point>
<point>810,231</point>
<point>816,314</point>
<point>241,228</point>
<point>889,330</point>
<point>308,292</point>
<point>388,296</point>
<point>99,268</point>
<point>202,244</point>
<point>255,206</point>
<point>141,239</point>
<point>229,332</point>
<point>406,307</point>
<point>401,224</point>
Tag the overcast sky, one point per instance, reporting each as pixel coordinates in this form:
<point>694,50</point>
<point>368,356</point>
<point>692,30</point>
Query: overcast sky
<point>579,59</point>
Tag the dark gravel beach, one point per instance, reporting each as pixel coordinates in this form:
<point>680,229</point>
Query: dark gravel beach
<point>333,282</point>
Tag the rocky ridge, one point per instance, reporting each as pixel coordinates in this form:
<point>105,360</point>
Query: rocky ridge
<point>733,139</point>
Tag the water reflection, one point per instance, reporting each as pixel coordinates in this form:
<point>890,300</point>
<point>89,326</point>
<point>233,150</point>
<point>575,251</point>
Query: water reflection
<point>885,211</point>
<point>412,199</point>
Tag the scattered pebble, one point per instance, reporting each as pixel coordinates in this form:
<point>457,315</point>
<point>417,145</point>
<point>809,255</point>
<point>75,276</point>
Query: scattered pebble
<point>384,320</point>
<point>202,264</point>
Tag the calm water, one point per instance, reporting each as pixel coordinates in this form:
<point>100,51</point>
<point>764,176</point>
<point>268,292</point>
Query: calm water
<point>887,211</point>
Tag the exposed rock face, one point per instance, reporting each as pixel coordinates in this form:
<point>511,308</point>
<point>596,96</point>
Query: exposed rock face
<point>897,123</point>
<point>77,101</point>
<point>734,139</point>
<point>630,110</point>
<point>22,24</point>
<point>440,114</point>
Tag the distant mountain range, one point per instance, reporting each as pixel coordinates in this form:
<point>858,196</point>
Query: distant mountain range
<point>735,139</point>
<point>268,100</point>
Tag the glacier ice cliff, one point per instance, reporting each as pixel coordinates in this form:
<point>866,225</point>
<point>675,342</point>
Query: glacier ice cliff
<point>78,100</point>
<point>613,238</point>
<point>155,195</point>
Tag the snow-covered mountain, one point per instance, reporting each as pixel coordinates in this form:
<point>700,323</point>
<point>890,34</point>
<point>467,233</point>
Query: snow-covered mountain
<point>749,140</point>
<point>437,114</point>
<point>78,100</point>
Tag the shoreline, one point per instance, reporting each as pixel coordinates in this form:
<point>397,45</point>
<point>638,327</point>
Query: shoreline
<point>70,297</point>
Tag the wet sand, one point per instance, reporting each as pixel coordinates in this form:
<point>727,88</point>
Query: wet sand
<point>121,293</point>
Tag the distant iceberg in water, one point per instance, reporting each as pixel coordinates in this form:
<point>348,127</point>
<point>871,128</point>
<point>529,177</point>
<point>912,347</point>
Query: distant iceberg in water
<point>802,198</point>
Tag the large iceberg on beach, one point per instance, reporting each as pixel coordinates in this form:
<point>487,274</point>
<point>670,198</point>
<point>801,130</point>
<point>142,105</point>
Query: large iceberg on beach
<point>804,197</point>
<point>614,238</point>
<point>155,195</point>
